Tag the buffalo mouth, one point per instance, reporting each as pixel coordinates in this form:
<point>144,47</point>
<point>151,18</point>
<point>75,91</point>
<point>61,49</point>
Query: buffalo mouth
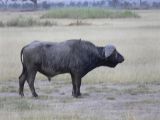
<point>121,60</point>
<point>113,65</point>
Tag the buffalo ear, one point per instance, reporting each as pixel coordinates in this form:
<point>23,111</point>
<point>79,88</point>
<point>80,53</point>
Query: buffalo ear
<point>109,49</point>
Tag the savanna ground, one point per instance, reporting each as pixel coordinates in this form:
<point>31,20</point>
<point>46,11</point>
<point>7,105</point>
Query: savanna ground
<point>131,91</point>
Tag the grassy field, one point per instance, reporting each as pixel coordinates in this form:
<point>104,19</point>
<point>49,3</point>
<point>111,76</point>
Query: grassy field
<point>128,92</point>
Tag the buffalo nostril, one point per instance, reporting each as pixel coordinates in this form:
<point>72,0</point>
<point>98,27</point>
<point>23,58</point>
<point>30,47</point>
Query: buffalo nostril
<point>122,59</point>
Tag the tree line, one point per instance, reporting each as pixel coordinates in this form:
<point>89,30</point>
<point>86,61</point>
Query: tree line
<point>35,4</point>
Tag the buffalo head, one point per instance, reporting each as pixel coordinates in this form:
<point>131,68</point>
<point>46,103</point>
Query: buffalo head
<point>112,56</point>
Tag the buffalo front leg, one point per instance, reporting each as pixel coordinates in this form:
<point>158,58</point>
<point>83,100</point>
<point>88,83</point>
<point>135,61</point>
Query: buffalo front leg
<point>78,85</point>
<point>76,82</point>
<point>30,80</point>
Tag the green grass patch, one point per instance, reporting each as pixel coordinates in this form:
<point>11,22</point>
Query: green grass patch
<point>88,13</point>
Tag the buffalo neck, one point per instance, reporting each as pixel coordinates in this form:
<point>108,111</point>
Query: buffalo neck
<point>97,61</point>
<point>102,60</point>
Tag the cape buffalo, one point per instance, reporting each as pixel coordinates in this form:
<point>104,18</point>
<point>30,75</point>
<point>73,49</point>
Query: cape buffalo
<point>76,57</point>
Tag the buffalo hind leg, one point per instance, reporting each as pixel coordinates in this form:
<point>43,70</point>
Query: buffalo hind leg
<point>22,80</point>
<point>74,86</point>
<point>30,80</point>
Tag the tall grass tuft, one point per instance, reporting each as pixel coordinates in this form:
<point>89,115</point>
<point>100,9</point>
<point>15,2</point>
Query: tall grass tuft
<point>21,22</point>
<point>84,13</point>
<point>27,22</point>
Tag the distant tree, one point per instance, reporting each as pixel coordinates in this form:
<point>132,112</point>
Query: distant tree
<point>34,2</point>
<point>72,4</point>
<point>45,5</point>
<point>99,3</point>
<point>134,4</point>
<point>94,4</point>
<point>115,3</point>
<point>85,4</point>
<point>27,6</point>
<point>4,3</point>
<point>14,5</point>
<point>156,5</point>
<point>103,2</point>
<point>140,3</point>
<point>145,5</point>
<point>127,5</point>
<point>79,4</point>
<point>60,4</point>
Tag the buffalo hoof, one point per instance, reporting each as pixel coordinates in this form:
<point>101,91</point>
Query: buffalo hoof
<point>79,94</point>
<point>76,95</point>
<point>21,94</point>
<point>35,95</point>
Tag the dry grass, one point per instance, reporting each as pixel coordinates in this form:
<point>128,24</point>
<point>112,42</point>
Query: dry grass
<point>140,47</point>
